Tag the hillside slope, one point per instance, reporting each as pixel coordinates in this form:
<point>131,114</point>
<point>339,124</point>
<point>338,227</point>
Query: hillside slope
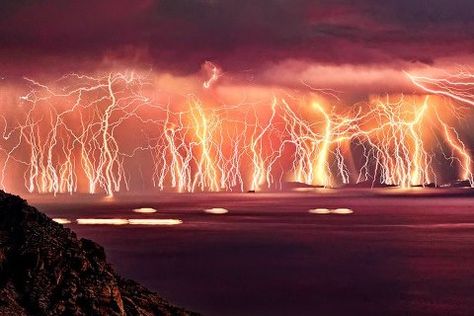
<point>46,270</point>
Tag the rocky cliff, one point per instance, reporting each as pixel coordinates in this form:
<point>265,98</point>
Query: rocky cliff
<point>46,270</point>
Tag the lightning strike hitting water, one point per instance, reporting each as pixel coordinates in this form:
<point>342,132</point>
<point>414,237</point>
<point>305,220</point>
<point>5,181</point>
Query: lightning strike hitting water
<point>78,132</point>
<point>81,133</point>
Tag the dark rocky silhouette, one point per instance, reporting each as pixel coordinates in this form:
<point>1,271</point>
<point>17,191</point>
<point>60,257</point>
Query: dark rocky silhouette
<point>46,270</point>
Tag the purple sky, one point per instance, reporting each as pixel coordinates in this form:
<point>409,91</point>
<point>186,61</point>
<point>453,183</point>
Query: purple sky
<point>237,34</point>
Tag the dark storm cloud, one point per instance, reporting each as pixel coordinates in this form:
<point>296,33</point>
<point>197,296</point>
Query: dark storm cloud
<point>239,33</point>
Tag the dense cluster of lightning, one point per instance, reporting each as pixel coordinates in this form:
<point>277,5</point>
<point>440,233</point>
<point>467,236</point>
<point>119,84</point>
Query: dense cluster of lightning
<point>89,133</point>
<point>66,136</point>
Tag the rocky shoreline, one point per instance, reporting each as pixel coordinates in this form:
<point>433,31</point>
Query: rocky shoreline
<point>46,270</point>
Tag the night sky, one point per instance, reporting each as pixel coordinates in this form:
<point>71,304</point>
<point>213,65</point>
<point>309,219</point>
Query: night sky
<point>179,35</point>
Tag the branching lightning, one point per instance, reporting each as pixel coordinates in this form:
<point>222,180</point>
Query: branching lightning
<point>458,86</point>
<point>82,133</point>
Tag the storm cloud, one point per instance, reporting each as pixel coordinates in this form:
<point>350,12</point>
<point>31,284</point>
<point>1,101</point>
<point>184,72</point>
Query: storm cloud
<point>181,34</point>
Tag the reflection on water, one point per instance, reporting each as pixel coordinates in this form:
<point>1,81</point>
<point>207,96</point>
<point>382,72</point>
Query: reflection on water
<point>342,211</point>
<point>62,221</point>
<point>140,221</point>
<point>325,211</point>
<point>123,221</point>
<point>102,221</point>
<point>216,210</point>
<point>145,210</point>
<point>320,211</point>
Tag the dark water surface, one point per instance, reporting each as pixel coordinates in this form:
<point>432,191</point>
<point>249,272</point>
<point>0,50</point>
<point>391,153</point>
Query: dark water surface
<point>410,254</point>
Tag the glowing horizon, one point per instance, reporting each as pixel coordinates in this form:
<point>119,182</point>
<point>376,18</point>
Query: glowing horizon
<point>89,133</point>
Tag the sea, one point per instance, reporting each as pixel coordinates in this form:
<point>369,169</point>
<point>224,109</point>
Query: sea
<point>312,252</point>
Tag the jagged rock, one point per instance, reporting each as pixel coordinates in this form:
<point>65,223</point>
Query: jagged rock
<point>46,270</point>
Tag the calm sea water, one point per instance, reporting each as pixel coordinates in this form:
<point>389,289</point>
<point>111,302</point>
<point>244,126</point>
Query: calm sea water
<point>396,254</point>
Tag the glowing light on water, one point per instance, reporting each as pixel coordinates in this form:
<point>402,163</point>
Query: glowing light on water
<point>326,211</point>
<point>216,210</point>
<point>342,211</point>
<point>320,211</point>
<point>62,221</point>
<point>165,222</point>
<point>303,189</point>
<point>102,221</point>
<point>131,221</point>
<point>145,210</point>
